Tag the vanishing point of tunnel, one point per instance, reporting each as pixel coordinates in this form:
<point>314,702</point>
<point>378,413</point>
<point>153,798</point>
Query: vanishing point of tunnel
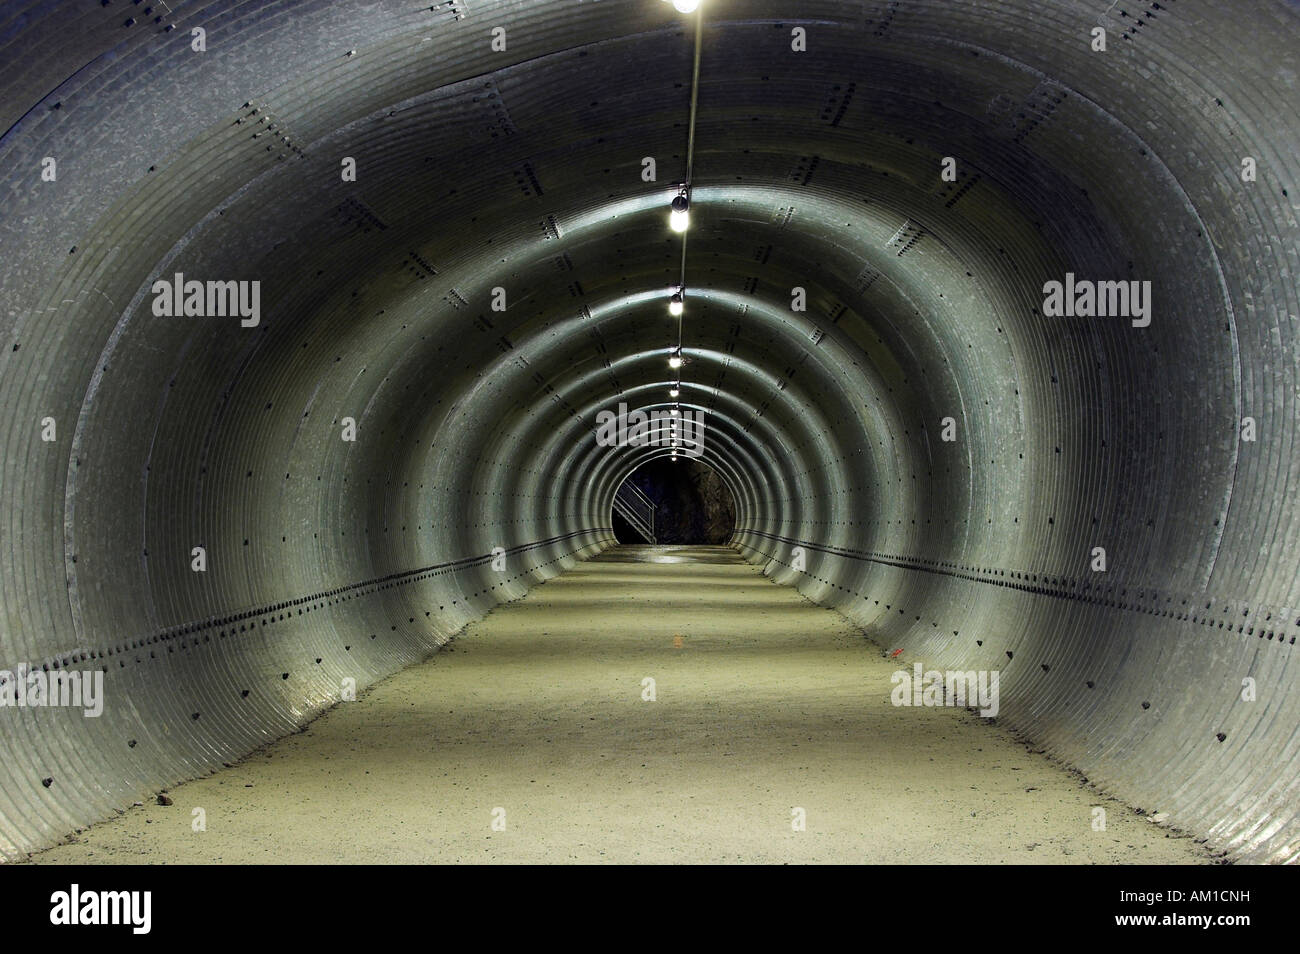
<point>898,400</point>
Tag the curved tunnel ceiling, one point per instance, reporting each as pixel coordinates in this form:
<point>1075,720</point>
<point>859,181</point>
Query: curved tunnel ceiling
<point>521,169</point>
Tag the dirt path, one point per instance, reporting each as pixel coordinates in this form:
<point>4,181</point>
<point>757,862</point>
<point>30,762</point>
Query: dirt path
<point>770,704</point>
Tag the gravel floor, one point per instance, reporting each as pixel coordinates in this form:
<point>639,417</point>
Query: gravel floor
<point>528,739</point>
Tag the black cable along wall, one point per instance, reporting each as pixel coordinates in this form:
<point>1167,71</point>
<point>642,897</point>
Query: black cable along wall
<point>521,169</point>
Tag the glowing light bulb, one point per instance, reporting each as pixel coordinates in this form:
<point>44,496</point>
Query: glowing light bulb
<point>676,305</point>
<point>679,219</point>
<point>674,413</point>
<point>686,6</point>
<point>675,361</point>
<point>674,392</point>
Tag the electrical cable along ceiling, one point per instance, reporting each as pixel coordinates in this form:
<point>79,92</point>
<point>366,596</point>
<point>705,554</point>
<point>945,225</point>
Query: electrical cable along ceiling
<point>227,516</point>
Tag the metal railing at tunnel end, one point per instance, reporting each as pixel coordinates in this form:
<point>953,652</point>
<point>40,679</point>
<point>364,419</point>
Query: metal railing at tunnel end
<point>637,509</point>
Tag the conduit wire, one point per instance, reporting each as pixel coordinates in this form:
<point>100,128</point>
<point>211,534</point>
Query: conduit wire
<point>690,151</point>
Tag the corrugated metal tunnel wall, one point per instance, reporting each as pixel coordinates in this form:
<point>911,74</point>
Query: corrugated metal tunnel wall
<point>330,559</point>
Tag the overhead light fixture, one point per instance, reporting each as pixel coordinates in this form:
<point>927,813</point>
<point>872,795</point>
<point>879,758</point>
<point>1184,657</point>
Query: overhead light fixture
<point>675,361</point>
<point>686,6</point>
<point>676,305</point>
<point>679,219</point>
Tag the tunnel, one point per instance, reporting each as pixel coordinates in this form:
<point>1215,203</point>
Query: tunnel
<point>311,309</point>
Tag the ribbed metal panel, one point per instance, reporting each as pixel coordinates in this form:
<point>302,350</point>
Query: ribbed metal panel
<point>331,560</point>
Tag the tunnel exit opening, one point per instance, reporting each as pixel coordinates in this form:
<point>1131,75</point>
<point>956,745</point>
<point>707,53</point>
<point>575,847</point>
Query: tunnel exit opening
<point>670,501</point>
